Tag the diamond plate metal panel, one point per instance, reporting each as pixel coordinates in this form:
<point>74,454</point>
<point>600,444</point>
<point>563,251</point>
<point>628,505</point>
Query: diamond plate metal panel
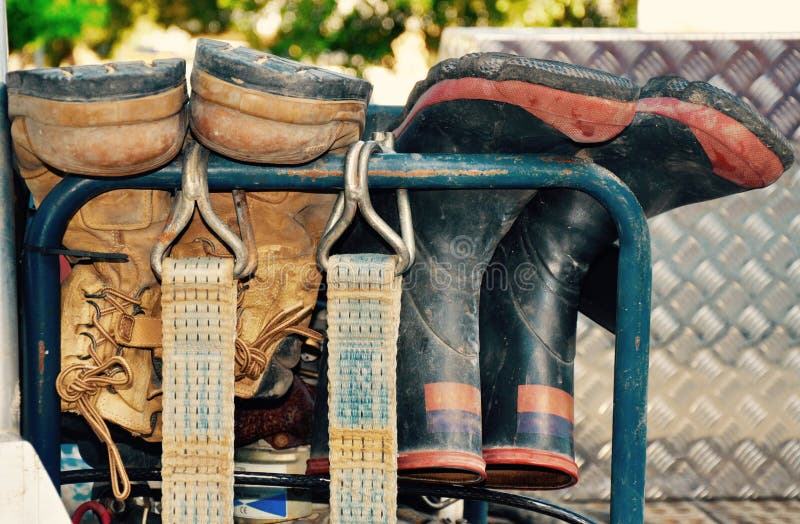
<point>676,512</point>
<point>724,400</point>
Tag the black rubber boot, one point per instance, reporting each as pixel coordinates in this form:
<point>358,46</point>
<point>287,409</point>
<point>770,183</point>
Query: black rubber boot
<point>688,142</point>
<point>477,104</point>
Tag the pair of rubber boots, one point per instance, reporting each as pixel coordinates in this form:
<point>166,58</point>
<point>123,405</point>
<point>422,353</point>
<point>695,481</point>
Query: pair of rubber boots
<point>485,358</point>
<point>129,118</point>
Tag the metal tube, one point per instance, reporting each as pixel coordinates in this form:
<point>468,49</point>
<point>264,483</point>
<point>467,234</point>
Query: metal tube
<point>9,349</point>
<point>631,359</point>
<point>412,171</point>
<point>3,42</point>
<point>476,511</point>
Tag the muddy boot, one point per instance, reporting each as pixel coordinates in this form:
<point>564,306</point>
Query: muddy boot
<point>255,107</point>
<point>106,120</point>
<point>671,95</point>
<point>688,142</point>
<point>482,103</point>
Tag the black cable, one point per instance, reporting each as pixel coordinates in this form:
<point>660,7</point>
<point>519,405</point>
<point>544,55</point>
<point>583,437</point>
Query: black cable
<point>405,487</point>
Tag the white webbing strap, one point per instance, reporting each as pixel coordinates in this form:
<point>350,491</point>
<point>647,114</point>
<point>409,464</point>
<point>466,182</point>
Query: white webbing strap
<point>199,329</point>
<point>363,323</point>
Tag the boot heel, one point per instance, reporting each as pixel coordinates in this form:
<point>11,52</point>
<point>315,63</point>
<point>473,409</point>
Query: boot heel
<point>102,120</point>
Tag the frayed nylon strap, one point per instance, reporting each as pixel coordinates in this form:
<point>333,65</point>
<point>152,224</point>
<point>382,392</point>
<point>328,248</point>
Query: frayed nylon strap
<point>199,333</point>
<point>363,323</point>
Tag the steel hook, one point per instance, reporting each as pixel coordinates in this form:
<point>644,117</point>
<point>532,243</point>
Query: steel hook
<point>194,191</point>
<point>356,197</point>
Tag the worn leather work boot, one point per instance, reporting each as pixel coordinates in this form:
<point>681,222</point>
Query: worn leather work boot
<point>688,142</point>
<point>106,120</point>
<point>480,103</point>
<point>255,107</point>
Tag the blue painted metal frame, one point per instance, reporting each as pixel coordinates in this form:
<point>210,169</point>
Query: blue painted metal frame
<point>41,351</point>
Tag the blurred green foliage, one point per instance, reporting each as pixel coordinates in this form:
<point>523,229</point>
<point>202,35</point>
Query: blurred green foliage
<point>361,30</point>
<point>311,27</point>
<point>53,25</point>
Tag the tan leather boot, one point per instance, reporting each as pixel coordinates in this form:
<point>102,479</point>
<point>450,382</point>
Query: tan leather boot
<point>106,120</point>
<point>256,107</point>
<point>277,300</point>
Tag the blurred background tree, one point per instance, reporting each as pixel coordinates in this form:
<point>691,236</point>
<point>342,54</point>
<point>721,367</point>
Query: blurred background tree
<point>53,26</point>
<point>351,33</point>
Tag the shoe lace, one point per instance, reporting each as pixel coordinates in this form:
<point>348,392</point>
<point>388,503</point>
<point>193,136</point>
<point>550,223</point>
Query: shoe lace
<point>252,357</point>
<point>79,383</point>
<point>115,302</point>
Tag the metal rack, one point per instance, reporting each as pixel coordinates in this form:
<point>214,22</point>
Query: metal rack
<point>41,287</point>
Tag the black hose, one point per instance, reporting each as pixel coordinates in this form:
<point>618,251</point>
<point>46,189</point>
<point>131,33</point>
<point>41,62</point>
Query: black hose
<point>405,487</point>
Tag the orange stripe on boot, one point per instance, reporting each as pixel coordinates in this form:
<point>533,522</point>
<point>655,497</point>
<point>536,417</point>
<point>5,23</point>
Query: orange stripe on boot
<point>532,398</point>
<point>452,395</point>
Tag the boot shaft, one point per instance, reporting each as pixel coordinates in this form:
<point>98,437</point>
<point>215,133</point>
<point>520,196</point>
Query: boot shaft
<point>528,330</point>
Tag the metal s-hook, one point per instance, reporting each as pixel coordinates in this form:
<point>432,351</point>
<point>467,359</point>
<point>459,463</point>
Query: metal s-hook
<point>246,230</point>
<point>344,211</point>
<point>356,197</point>
<point>194,191</point>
